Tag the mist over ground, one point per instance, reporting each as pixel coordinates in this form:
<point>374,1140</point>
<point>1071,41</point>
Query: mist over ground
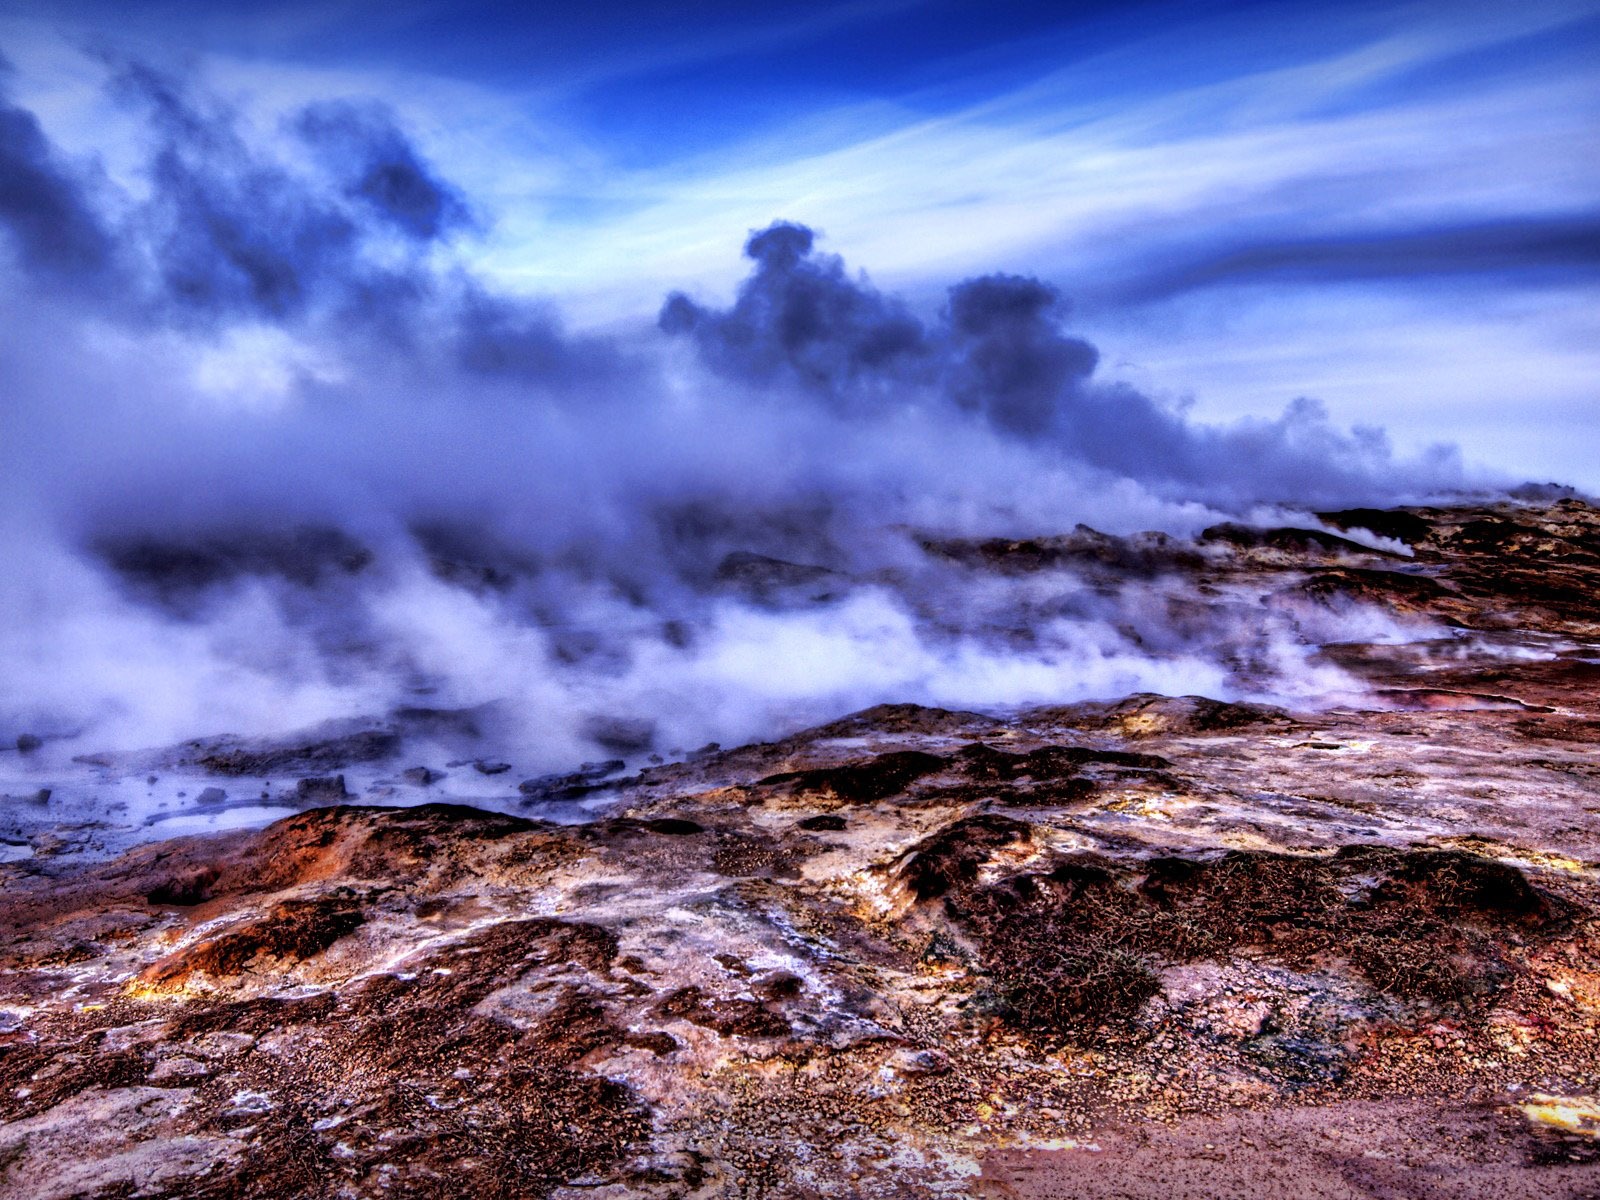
<point>276,455</point>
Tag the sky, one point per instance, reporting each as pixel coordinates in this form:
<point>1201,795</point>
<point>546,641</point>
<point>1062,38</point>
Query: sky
<point>1390,208</point>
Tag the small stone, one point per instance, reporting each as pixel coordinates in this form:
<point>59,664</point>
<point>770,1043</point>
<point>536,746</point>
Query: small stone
<point>920,1062</point>
<point>321,789</point>
<point>621,735</point>
<point>823,823</point>
<point>179,1067</point>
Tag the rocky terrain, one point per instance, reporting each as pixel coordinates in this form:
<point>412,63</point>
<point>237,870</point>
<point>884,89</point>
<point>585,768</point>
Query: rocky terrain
<point>1146,947</point>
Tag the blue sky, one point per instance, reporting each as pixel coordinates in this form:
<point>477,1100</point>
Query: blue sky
<point>1394,208</point>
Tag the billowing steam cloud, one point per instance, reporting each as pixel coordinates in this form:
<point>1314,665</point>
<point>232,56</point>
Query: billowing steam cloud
<point>999,352</point>
<point>274,456</point>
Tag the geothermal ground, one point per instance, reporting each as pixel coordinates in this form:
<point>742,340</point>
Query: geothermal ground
<point>1145,947</point>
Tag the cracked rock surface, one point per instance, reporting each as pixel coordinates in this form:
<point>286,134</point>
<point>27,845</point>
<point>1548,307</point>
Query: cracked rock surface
<point>1152,946</point>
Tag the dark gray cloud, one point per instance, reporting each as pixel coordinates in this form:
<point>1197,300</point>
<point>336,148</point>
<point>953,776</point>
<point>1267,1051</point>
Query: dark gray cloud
<point>800,319</point>
<point>1000,350</point>
<point>43,203</point>
<point>1009,357</point>
<point>233,233</point>
<point>363,147</point>
<point>229,232</point>
<point>518,339</point>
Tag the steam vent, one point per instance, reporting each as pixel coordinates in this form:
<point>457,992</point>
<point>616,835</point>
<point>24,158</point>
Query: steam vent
<point>1150,946</point>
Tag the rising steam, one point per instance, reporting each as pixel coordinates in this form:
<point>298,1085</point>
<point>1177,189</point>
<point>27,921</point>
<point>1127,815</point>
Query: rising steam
<point>274,456</point>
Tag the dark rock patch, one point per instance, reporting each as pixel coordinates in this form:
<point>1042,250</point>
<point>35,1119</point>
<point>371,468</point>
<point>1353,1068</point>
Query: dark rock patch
<point>823,823</point>
<point>321,789</point>
<point>1384,587</point>
<point>658,1041</point>
<point>621,735</point>
<point>1286,539</point>
<point>729,1017</point>
<point>982,762</point>
<point>1079,945</point>
<point>185,889</point>
<point>1143,554</point>
<point>290,932</point>
<point>1397,523</point>
<point>235,756</point>
<point>950,858</point>
<point>672,826</point>
<point>1145,714</point>
<point>775,581</point>
<point>863,780</point>
<point>173,571</point>
<point>587,779</point>
<point>902,719</point>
